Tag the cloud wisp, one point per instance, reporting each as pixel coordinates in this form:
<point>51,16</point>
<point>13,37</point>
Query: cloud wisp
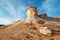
<point>5,21</point>
<point>51,7</point>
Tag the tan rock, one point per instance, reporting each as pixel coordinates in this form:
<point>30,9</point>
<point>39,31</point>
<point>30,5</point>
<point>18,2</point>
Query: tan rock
<point>36,30</point>
<point>31,13</point>
<point>43,15</point>
<point>57,17</point>
<point>45,31</point>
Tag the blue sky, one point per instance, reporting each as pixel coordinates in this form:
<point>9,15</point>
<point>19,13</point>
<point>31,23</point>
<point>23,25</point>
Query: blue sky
<point>13,10</point>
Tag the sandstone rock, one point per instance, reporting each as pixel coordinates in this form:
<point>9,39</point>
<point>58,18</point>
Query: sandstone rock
<point>32,28</point>
<point>31,13</point>
<point>57,17</point>
<point>45,31</point>
<point>43,15</point>
<point>1,26</point>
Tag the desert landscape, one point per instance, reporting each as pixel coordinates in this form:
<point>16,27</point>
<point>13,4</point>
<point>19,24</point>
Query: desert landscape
<point>35,27</point>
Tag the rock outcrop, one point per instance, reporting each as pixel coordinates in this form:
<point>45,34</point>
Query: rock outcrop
<point>43,15</point>
<point>31,14</point>
<point>35,27</point>
<point>2,25</point>
<point>57,17</point>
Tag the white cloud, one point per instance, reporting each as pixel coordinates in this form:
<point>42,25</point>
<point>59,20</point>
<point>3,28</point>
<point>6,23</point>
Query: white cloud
<point>21,11</point>
<point>16,13</point>
<point>46,6</point>
<point>31,2</point>
<point>5,21</point>
<point>1,13</point>
<point>6,4</point>
<point>11,9</point>
<point>49,7</point>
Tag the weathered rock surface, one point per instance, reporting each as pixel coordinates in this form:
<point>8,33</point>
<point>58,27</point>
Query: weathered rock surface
<point>31,29</point>
<point>57,17</point>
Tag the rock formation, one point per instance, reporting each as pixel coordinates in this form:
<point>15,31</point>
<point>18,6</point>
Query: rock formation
<point>32,14</point>
<point>2,25</point>
<point>57,17</point>
<point>43,15</point>
<point>35,27</point>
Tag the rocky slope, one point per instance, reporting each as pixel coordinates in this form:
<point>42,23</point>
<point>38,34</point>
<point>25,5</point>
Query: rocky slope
<point>30,29</point>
